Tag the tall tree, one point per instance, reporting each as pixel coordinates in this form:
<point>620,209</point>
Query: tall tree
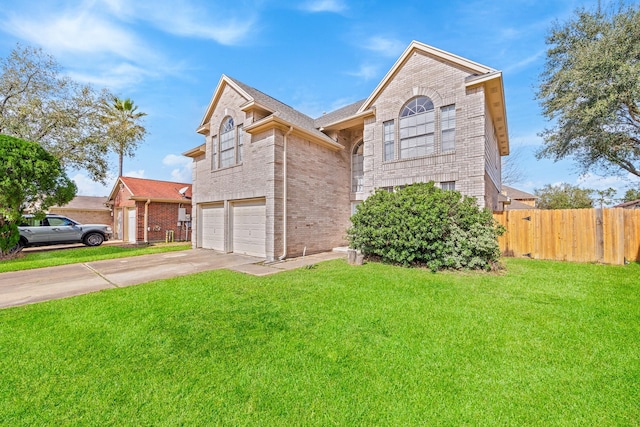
<point>124,127</point>
<point>590,90</point>
<point>631,194</point>
<point>604,197</point>
<point>38,104</point>
<point>30,179</point>
<point>563,196</point>
<point>512,170</point>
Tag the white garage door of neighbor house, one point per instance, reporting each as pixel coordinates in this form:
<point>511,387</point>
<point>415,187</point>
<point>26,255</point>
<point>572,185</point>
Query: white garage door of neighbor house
<point>212,225</point>
<point>132,225</point>
<point>249,228</point>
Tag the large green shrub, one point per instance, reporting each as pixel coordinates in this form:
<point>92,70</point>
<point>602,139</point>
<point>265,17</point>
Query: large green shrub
<point>423,225</point>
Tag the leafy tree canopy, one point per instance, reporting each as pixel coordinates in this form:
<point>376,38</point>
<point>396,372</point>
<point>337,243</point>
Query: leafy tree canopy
<point>30,179</point>
<point>590,90</point>
<point>563,196</point>
<point>631,194</point>
<point>38,104</point>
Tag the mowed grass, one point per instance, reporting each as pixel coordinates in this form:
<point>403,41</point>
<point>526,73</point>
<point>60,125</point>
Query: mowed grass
<point>50,258</point>
<point>545,343</point>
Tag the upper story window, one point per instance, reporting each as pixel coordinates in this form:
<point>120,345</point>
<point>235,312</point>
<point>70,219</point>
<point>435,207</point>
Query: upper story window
<point>417,128</point>
<point>227,143</point>
<point>389,140</point>
<point>357,168</point>
<point>448,128</point>
<point>240,143</point>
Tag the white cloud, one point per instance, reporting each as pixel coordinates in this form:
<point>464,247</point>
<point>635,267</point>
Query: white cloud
<point>335,6</point>
<point>385,46</point>
<point>523,63</point>
<point>77,32</point>
<point>87,187</point>
<point>181,173</point>
<point>598,182</point>
<point>135,174</point>
<point>365,71</point>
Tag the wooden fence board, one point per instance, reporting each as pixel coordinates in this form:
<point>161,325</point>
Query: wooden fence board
<point>584,235</point>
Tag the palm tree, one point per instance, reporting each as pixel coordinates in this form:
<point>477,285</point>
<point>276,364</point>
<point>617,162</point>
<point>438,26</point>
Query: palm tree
<point>123,127</point>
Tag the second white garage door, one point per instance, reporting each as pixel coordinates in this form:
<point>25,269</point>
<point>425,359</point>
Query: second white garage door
<point>249,228</point>
<point>212,226</point>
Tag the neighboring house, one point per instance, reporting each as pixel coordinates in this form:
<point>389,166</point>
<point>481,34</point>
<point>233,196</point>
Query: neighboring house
<point>85,210</point>
<point>272,182</point>
<point>146,210</point>
<point>518,199</point>
<point>634,204</point>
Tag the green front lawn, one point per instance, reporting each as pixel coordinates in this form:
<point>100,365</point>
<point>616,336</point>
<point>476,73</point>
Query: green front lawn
<point>545,343</point>
<point>50,258</point>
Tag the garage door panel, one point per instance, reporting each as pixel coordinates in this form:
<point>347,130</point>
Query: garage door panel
<point>249,228</point>
<point>212,224</point>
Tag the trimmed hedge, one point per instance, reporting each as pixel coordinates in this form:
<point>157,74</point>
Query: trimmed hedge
<point>421,224</point>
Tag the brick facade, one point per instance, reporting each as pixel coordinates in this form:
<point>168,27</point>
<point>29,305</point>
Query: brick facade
<point>152,206</point>
<point>318,153</point>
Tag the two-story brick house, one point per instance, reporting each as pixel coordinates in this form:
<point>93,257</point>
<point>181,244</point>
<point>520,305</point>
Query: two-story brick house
<point>272,182</point>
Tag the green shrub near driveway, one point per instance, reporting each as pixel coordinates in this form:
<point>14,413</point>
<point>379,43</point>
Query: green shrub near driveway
<point>422,224</point>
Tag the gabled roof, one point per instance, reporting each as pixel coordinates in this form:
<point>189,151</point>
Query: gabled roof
<point>515,194</point>
<point>628,204</point>
<point>279,114</point>
<point>480,74</point>
<point>86,203</point>
<point>149,189</point>
<point>338,115</point>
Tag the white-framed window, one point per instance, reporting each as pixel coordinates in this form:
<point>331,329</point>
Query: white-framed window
<point>448,128</point>
<point>389,140</point>
<point>227,143</point>
<point>214,152</point>
<point>240,143</point>
<point>357,168</point>
<point>417,127</point>
<point>448,185</point>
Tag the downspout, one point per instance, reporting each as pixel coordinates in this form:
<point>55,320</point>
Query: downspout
<point>284,195</point>
<point>146,221</point>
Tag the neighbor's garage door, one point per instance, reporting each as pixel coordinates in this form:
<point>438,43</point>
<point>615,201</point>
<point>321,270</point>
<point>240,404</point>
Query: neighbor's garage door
<point>212,226</point>
<point>249,229</point>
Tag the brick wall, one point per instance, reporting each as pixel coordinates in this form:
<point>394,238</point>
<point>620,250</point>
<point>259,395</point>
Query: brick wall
<point>85,216</point>
<point>162,217</point>
<point>445,85</point>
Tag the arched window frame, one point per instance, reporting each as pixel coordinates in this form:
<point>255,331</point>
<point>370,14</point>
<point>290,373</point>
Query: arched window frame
<point>227,141</point>
<point>417,128</point>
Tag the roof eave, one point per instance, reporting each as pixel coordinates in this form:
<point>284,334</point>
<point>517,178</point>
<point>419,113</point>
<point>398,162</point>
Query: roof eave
<point>195,152</point>
<point>494,92</point>
<point>275,122</point>
<point>349,122</point>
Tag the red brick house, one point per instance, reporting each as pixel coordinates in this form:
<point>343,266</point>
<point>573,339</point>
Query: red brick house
<point>146,210</point>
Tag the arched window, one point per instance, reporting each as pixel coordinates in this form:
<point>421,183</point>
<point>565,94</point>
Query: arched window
<point>227,143</point>
<point>417,120</point>
<point>357,168</point>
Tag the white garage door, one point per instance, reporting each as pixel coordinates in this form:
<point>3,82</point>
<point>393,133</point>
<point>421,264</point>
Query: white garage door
<point>131,224</point>
<point>249,228</point>
<point>212,226</point>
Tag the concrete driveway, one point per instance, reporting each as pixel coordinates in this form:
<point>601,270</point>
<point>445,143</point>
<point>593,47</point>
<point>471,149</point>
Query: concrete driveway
<point>30,286</point>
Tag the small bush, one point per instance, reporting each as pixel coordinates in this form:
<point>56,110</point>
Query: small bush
<point>423,225</point>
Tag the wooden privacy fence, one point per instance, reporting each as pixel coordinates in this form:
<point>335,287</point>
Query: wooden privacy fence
<point>610,236</point>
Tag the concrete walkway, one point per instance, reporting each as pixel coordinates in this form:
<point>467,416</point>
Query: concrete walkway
<point>30,286</point>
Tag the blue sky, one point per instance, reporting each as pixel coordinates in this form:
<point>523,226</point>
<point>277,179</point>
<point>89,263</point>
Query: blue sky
<point>315,55</point>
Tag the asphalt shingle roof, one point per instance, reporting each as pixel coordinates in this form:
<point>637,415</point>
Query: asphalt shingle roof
<point>153,189</point>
